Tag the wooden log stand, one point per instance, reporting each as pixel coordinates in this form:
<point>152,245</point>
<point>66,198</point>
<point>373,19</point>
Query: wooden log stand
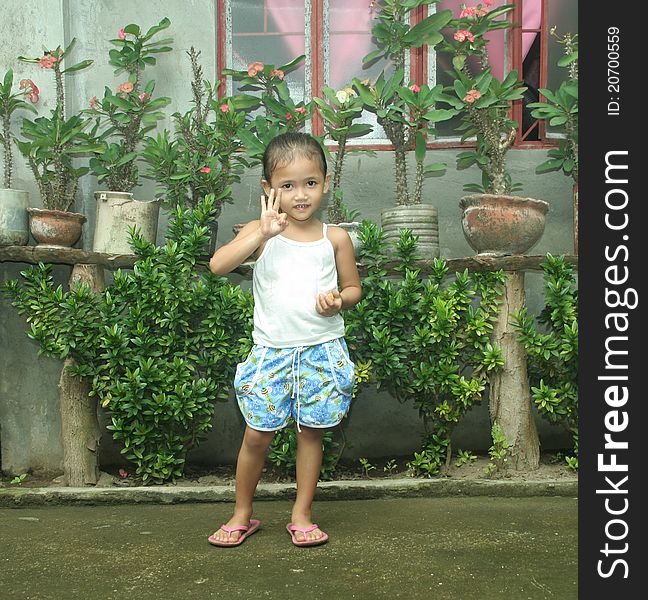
<point>510,400</point>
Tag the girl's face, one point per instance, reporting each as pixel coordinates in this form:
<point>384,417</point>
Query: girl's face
<point>302,184</point>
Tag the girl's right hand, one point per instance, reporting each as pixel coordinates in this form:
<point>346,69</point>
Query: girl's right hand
<point>272,222</point>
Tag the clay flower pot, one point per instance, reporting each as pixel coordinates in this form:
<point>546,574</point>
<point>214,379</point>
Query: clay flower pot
<point>497,225</point>
<point>55,228</point>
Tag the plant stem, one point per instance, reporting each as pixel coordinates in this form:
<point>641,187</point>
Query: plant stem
<point>418,183</point>
<point>572,146</point>
<point>339,162</point>
<point>60,93</point>
<point>7,150</point>
<point>335,210</point>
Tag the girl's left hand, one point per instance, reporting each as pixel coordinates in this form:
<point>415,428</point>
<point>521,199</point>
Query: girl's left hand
<point>329,304</point>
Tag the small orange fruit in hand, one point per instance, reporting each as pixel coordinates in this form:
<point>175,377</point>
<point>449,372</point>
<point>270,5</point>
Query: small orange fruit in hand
<point>330,297</point>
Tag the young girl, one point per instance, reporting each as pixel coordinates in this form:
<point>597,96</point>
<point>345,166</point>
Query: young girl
<point>305,274</point>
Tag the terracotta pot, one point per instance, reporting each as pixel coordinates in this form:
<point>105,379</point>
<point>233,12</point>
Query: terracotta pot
<point>497,225</point>
<point>55,228</point>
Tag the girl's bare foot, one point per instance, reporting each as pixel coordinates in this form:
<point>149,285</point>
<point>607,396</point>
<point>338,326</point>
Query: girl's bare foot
<point>304,522</point>
<point>237,520</point>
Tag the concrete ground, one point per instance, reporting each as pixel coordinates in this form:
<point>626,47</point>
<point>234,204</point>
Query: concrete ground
<point>441,548</point>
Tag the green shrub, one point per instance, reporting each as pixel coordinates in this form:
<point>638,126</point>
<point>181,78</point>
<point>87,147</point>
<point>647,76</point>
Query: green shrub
<point>428,339</point>
<point>160,344</point>
<point>498,452</point>
<point>552,349</point>
<point>283,452</point>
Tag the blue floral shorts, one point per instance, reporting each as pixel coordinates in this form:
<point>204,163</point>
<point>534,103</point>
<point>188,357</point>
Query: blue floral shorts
<point>311,384</point>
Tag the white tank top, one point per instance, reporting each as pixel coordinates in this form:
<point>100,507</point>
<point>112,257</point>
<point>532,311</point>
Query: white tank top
<point>287,278</point>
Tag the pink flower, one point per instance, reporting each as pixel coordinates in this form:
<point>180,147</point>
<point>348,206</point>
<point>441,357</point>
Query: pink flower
<point>254,68</point>
<point>93,103</point>
<point>143,97</point>
<point>47,61</point>
<point>224,108</point>
<point>32,94</point>
<point>121,34</point>
<point>205,170</point>
<point>463,34</point>
<point>28,83</point>
<point>277,73</point>
<point>301,110</point>
<point>288,116</point>
<point>489,2</point>
<point>468,11</point>
<point>123,473</point>
<point>415,88</point>
<point>125,87</point>
<point>471,96</point>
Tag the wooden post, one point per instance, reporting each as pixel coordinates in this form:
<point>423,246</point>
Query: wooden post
<point>510,396</point>
<point>79,423</point>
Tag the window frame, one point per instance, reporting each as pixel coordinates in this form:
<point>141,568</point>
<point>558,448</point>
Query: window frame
<point>419,67</point>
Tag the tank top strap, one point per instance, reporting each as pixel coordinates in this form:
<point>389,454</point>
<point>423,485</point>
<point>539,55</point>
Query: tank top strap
<point>325,227</point>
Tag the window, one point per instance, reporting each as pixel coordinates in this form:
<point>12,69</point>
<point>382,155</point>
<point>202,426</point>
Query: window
<point>334,35</point>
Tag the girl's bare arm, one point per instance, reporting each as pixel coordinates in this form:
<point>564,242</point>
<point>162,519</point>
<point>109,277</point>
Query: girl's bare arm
<point>251,237</point>
<point>350,287</point>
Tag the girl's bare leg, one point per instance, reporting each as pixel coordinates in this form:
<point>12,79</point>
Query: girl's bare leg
<point>309,461</point>
<point>249,466</point>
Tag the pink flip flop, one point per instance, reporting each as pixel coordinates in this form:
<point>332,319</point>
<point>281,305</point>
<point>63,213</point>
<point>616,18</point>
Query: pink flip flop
<point>292,528</point>
<point>247,530</point>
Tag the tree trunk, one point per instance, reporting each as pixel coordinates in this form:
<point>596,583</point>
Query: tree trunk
<point>80,429</point>
<point>510,396</point>
<point>79,423</point>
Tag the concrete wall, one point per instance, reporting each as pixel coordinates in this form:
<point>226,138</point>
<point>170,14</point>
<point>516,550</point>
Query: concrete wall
<point>378,424</point>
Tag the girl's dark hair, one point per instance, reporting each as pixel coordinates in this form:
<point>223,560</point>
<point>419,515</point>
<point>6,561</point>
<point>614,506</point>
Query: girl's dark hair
<point>284,147</point>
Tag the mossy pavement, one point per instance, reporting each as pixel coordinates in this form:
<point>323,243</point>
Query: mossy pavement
<point>399,538</point>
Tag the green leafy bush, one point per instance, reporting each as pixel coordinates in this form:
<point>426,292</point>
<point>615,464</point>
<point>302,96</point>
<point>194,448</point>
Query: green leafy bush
<point>552,349</point>
<point>428,339</point>
<point>283,452</point>
<point>160,344</point>
<point>498,452</point>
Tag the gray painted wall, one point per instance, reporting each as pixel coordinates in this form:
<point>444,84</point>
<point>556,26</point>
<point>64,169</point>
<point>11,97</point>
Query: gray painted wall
<point>378,426</point>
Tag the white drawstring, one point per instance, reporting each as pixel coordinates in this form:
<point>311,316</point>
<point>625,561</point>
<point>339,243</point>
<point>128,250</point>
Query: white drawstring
<point>295,377</point>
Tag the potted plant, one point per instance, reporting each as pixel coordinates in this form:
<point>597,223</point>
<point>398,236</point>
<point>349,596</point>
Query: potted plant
<point>271,110</point>
<point>204,156</point>
<point>495,222</point>
<point>14,230</point>
<point>560,108</point>
<point>50,146</point>
<point>123,117</point>
<point>339,109</point>
<point>407,111</point>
